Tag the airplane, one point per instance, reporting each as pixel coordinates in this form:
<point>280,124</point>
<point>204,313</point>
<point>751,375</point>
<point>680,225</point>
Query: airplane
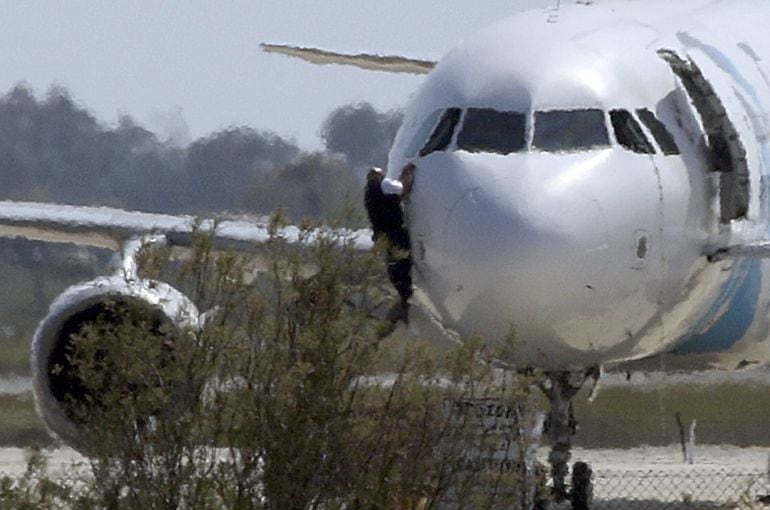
<point>592,179</point>
<point>584,187</point>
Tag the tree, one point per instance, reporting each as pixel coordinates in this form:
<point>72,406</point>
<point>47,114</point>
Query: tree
<point>144,173</point>
<point>220,168</point>
<point>361,134</point>
<point>314,186</point>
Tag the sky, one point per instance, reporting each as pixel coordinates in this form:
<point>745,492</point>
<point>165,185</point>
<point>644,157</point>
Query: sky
<point>186,69</point>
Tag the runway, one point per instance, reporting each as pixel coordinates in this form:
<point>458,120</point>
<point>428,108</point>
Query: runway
<point>15,384</point>
<point>13,461</point>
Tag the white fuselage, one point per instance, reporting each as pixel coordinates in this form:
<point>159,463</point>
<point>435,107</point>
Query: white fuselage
<point>540,217</point>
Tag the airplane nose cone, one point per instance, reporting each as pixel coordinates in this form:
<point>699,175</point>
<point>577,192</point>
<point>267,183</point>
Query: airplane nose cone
<point>533,255</point>
<point>539,258</point>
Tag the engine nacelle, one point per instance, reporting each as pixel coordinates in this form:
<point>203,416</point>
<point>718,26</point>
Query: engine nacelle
<point>55,381</point>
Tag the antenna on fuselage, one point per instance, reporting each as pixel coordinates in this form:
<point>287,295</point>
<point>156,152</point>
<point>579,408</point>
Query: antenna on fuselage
<point>553,16</point>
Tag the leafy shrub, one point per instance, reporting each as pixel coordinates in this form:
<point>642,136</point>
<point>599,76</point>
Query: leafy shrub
<point>276,401</point>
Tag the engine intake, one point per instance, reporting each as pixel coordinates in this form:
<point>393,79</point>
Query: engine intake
<point>163,311</point>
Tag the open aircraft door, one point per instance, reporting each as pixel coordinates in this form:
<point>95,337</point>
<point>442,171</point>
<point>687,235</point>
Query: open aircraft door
<point>726,150</point>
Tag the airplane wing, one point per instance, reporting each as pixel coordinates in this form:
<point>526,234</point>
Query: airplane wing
<point>387,63</point>
<point>108,227</point>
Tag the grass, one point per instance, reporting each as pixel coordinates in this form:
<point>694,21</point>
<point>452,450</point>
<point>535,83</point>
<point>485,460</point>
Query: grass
<point>20,425</point>
<point>619,417</point>
<point>15,358</point>
<point>726,414</point>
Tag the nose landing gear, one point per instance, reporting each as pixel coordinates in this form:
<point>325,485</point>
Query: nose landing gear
<point>560,426</point>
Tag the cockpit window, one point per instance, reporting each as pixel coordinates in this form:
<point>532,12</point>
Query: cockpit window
<point>442,135</point>
<point>629,133</point>
<point>659,132</point>
<point>488,130</point>
<point>570,130</point>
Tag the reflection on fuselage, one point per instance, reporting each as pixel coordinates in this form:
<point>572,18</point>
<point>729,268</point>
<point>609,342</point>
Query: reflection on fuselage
<point>551,222</point>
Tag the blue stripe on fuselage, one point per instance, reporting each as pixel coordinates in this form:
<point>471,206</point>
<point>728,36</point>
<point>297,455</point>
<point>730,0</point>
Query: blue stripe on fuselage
<point>737,305</point>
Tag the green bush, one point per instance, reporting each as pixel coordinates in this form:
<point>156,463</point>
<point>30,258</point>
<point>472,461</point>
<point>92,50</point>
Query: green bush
<point>276,403</point>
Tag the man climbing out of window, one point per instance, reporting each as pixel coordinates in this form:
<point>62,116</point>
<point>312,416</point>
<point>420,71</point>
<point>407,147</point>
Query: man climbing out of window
<point>382,199</point>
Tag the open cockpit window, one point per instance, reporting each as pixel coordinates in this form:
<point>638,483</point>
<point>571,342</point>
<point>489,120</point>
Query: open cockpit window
<point>422,133</point>
<point>629,133</point>
<point>659,132</point>
<point>488,130</point>
<point>442,136</point>
<point>570,130</point>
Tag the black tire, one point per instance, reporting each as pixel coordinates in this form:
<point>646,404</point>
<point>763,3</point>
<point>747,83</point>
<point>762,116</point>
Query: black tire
<point>582,489</point>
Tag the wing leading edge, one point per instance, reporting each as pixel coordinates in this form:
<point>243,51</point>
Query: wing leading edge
<point>110,227</point>
<point>386,63</point>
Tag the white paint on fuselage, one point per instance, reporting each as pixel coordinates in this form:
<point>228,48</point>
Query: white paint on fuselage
<point>547,243</point>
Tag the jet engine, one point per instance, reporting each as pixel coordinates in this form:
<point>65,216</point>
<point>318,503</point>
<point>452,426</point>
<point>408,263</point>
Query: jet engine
<point>57,384</point>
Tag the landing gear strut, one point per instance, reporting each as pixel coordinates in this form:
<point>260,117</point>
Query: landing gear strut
<point>560,388</point>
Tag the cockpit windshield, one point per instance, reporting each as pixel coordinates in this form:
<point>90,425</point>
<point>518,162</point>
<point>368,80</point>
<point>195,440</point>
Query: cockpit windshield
<point>488,130</point>
<point>504,132</point>
<point>442,135</point>
<point>629,133</point>
<point>659,132</point>
<point>570,130</point>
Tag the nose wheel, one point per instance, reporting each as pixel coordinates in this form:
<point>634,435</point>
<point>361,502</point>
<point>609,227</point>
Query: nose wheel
<point>560,426</point>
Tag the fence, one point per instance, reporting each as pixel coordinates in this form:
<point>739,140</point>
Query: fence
<point>691,488</point>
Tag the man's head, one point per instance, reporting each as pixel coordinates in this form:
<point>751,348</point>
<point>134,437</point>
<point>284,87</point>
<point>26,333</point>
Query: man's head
<point>375,173</point>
